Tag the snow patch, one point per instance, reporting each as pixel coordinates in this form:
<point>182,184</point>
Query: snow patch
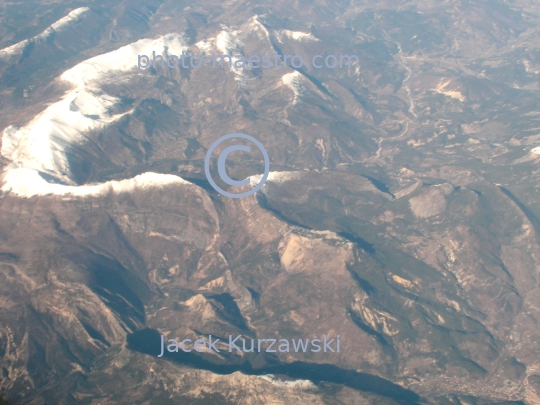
<point>536,150</point>
<point>282,177</point>
<point>123,59</point>
<point>257,26</point>
<point>297,35</point>
<point>227,42</point>
<point>294,384</point>
<point>65,22</point>
<point>292,80</point>
<point>28,183</point>
<point>276,177</point>
<point>58,26</point>
<point>42,145</point>
<point>206,46</point>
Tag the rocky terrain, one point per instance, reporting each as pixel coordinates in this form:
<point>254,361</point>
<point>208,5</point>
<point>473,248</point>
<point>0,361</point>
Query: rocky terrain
<point>400,212</point>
